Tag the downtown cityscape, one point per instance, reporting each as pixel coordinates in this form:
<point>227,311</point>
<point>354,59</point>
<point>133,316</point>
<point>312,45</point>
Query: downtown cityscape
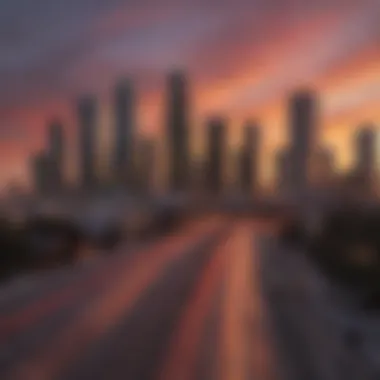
<point>208,208</point>
<point>134,160</point>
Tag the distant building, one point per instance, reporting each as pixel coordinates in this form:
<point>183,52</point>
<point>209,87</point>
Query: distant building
<point>123,160</point>
<point>55,154</point>
<point>303,108</point>
<point>249,158</point>
<point>216,150</point>
<point>146,165</point>
<point>353,185</point>
<point>177,132</point>
<point>283,171</point>
<point>365,154</point>
<point>323,167</point>
<point>198,167</point>
<point>41,168</point>
<point>87,142</point>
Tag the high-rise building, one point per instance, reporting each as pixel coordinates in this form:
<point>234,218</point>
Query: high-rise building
<point>123,160</point>
<point>282,164</point>
<point>323,165</point>
<point>87,141</point>
<point>146,164</point>
<point>249,158</point>
<point>197,174</point>
<point>177,133</point>
<point>216,155</point>
<point>55,153</point>
<point>303,110</point>
<point>365,150</point>
<point>41,169</point>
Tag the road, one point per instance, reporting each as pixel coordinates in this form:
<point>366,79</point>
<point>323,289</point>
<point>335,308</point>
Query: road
<point>302,313</point>
<point>189,306</point>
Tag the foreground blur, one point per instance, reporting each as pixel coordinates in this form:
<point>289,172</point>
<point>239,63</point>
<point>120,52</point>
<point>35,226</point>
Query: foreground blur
<point>247,293</point>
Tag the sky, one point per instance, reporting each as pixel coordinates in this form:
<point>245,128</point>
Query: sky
<point>242,58</point>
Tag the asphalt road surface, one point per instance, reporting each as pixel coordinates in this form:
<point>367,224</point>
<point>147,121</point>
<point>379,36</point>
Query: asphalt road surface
<point>187,307</point>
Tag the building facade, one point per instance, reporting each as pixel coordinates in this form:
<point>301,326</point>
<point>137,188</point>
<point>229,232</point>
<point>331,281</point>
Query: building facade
<point>216,150</point>
<point>178,132</point>
<point>123,160</point>
<point>303,113</point>
<point>87,142</point>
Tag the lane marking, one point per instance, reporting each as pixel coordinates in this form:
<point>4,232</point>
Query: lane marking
<point>245,347</point>
<point>19,321</point>
<point>232,352</point>
<point>99,315</point>
<point>24,318</point>
<point>263,361</point>
<point>180,360</point>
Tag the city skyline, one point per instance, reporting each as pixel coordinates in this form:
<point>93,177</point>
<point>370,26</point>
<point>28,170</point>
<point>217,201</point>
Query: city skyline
<point>232,61</point>
<point>133,162</point>
<point>305,153</point>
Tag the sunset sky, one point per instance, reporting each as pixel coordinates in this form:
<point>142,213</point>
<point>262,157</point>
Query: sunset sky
<point>242,59</point>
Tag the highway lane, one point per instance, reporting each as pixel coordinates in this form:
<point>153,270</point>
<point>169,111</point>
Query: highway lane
<point>246,349</point>
<point>293,317</point>
<point>51,292</point>
<point>41,319</point>
<point>188,307</point>
<point>182,353</point>
<point>308,340</point>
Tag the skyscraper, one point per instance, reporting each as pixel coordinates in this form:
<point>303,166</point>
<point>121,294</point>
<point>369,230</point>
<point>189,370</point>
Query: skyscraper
<point>123,160</point>
<point>323,166</point>
<point>249,158</point>
<point>178,134</point>
<point>215,154</point>
<point>198,174</point>
<point>365,147</point>
<point>146,164</point>
<point>55,154</point>
<point>87,140</point>
<point>41,169</point>
<point>283,161</point>
<point>302,121</point>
